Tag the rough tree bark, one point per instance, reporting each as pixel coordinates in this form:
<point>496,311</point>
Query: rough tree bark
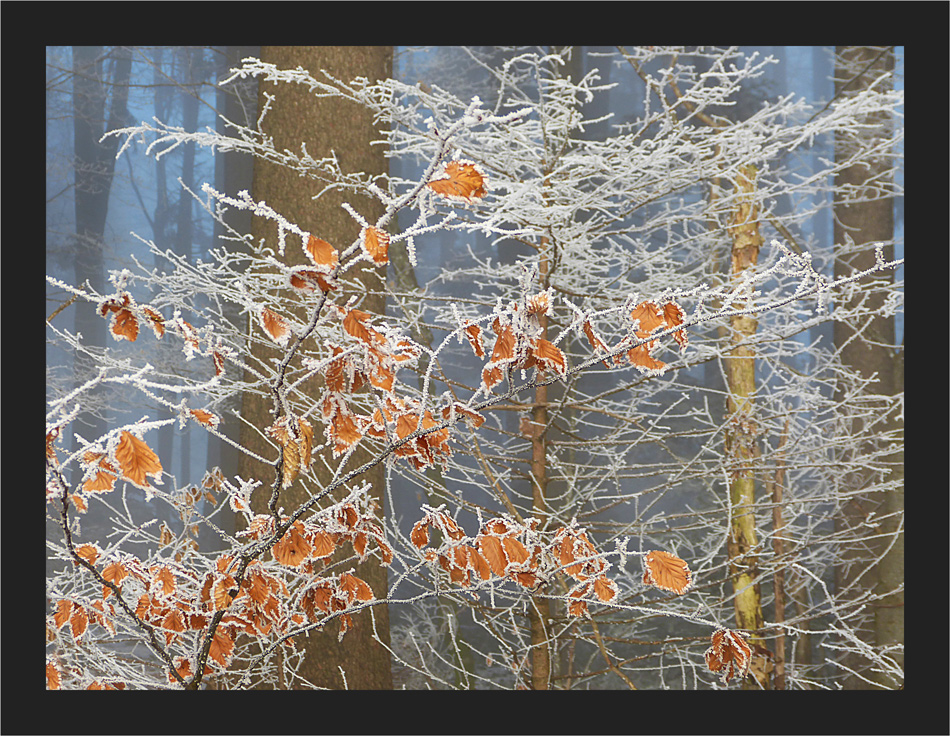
<point>870,349</point>
<point>324,125</point>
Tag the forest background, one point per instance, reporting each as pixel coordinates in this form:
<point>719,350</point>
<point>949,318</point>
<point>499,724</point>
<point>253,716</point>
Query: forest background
<point>820,556</point>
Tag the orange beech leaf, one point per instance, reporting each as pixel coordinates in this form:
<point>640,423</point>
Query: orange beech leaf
<point>491,375</point>
<point>504,349</point>
<point>419,535</point>
<point>355,588</point>
<point>592,337</point>
<point>343,432</point>
<point>353,324</point>
<point>321,545</point>
<point>347,516</point>
<point>275,326</point>
<point>472,418</point>
<point>222,647</point>
<point>474,334</point>
<point>571,545</point>
<point>221,592</point>
<point>527,579</point>
<point>64,610</point>
<point>115,572</point>
<point>605,589</point>
<point>493,553</point>
<point>322,254</point>
<point>375,243</point>
<point>667,572</point>
<point>515,550</point>
<point>53,677</point>
<point>479,564</point>
<point>187,332</point>
<point>155,321</point>
<point>293,548</point>
<point>183,667</point>
<point>125,325</point>
<point>291,464</point>
<point>546,355</point>
<point>641,358</point>
<point>88,552</point>
<point>308,280</point>
<point>165,536</point>
<point>460,180</point>
<point>305,432</point>
<point>205,418</point>
<point>539,303</point>
<point>577,607</point>
<point>105,477</point>
<point>78,622</point>
<point>136,460</point>
<point>173,623</point>
<point>164,580</point>
<point>647,314</point>
<point>729,654</point>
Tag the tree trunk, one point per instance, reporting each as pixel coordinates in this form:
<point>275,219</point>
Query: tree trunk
<point>94,169</point>
<point>233,172</point>
<point>741,432</point>
<point>868,349</point>
<point>345,128</point>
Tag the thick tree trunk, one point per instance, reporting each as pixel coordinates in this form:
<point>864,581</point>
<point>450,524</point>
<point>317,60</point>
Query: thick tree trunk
<point>357,661</point>
<point>869,349</point>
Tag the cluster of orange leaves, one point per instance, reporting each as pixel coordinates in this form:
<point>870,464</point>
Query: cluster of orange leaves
<point>124,325</point>
<point>508,549</point>
<point>648,318</point>
<point>518,342</point>
<point>131,459</point>
<point>305,546</point>
<point>176,600</point>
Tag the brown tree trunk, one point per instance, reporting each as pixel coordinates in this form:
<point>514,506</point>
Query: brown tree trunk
<point>345,128</point>
<point>94,168</point>
<point>869,349</point>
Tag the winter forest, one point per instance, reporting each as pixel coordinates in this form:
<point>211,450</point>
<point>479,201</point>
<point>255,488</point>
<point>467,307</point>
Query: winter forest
<point>474,368</point>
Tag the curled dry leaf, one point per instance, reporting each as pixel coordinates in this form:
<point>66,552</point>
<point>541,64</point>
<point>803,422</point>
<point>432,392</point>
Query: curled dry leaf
<point>205,418</point>
<point>730,654</point>
<point>667,572</point>
<point>474,334</point>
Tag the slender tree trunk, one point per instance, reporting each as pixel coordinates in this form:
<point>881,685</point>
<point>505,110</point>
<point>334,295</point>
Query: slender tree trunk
<point>741,433</point>
<point>357,661</point>
<point>539,612</point>
<point>869,349</point>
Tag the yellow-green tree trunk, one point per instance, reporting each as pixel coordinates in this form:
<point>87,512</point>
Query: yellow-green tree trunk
<point>741,431</point>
